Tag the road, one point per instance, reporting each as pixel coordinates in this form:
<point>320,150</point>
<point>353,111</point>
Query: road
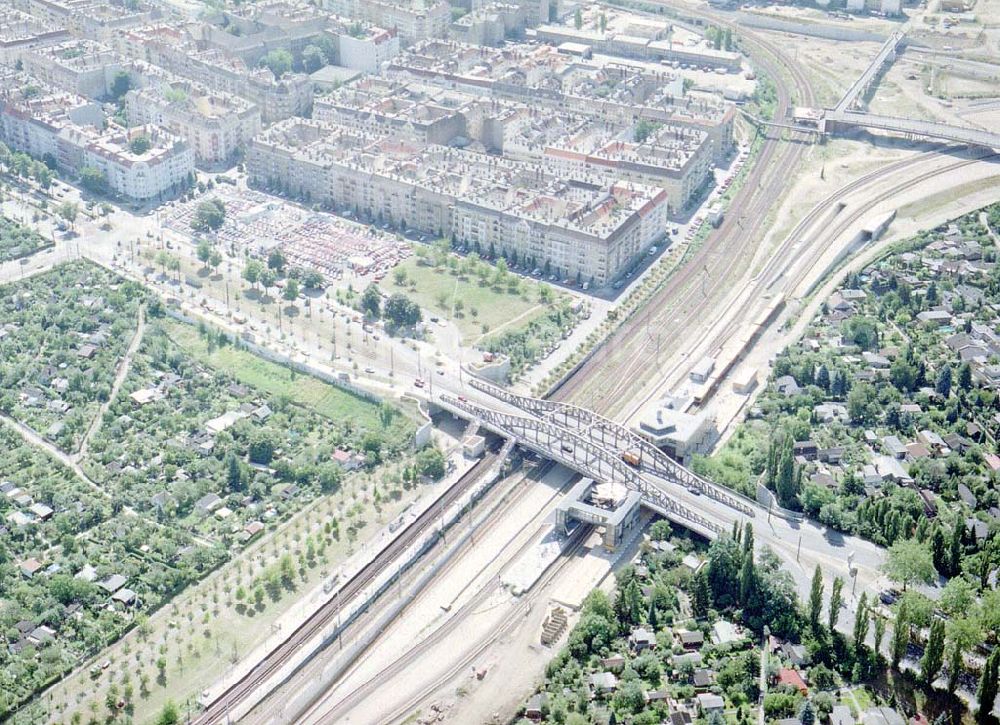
<point>33,438</point>
<point>123,368</point>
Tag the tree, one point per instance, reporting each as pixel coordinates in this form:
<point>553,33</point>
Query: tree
<point>861,623</point>
<point>930,663</point>
<point>402,312</point>
<point>823,377</point>
<point>963,634</point>
<point>169,714</point>
<point>267,278</point>
<point>943,386</point>
<point>701,595</point>
<point>140,144</point>
<point>214,259</point>
<point>900,633</point>
<point>204,251</point>
<point>313,58</point>
<point>628,604</point>
<point>261,448</point>
<point>278,61</point>
<point>234,472</point>
<point>312,280</point>
<point>329,476</point>
<point>909,561</point>
<point>836,602</point>
<point>120,85</point>
<point>807,716</point>
<point>879,634</point>
<point>371,302</point>
<point>986,693</point>
<point>276,261</point>
<point>430,463</point>
<point>958,597</point>
<point>965,377</point>
<point>816,599</point>
<point>93,180</point>
<point>786,483</point>
<point>644,129</point>
<point>291,292</point>
<point>578,19</point>
<point>252,271</point>
<point>748,579</point>
<point>939,549</point>
<point>602,22</point>
<point>209,215</point>
<point>68,210</point>
<point>862,404</point>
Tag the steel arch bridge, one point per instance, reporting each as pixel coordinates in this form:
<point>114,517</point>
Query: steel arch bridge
<point>583,455</point>
<point>607,434</point>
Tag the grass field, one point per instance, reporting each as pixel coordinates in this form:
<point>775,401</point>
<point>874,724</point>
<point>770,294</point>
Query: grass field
<point>325,399</point>
<point>480,304</point>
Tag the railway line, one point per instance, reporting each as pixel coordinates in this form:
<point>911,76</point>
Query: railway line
<point>509,623</point>
<point>273,708</point>
<point>624,357</point>
<point>314,625</point>
<point>779,263</point>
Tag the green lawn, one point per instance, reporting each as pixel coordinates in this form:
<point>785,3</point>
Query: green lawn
<point>325,399</point>
<point>479,303</point>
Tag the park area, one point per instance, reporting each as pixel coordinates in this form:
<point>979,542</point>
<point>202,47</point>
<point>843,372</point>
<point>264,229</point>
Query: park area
<point>480,298</point>
<point>197,451</point>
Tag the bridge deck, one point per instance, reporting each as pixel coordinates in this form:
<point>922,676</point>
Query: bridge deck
<point>930,129</point>
<point>887,50</point>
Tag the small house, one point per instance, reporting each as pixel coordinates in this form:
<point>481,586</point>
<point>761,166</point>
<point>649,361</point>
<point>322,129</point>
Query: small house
<point>603,683</point>
<point>709,703</point>
<point>792,678</point>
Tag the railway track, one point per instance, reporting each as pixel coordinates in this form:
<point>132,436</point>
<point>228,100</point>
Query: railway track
<point>778,263</point>
<point>624,356</point>
<point>313,626</point>
<point>272,709</point>
<point>411,657</point>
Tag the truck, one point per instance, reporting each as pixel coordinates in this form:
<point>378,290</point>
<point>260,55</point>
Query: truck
<point>633,457</point>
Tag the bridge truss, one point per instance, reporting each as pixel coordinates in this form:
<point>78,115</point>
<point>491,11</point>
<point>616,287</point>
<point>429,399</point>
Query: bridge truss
<point>610,435</point>
<point>584,456</point>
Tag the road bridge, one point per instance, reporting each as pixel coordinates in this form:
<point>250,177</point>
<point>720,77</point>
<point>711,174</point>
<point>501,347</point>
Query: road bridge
<point>616,439</point>
<point>583,455</point>
<point>908,127</point>
<point>861,86</point>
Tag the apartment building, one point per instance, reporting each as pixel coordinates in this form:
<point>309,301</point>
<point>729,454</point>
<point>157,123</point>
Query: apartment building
<point>490,24</point>
<point>82,66</point>
<point>95,19</point>
<point>49,123</point>
<point>625,34</point>
<point>675,158</point>
<point>414,20</point>
<point>21,32</point>
<point>175,49</point>
<point>368,48</point>
<point>589,231</point>
<point>217,126</point>
<point>541,77</point>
